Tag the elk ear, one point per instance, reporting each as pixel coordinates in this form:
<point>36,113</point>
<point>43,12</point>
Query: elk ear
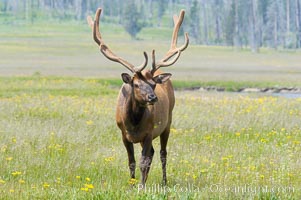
<point>126,78</point>
<point>162,78</point>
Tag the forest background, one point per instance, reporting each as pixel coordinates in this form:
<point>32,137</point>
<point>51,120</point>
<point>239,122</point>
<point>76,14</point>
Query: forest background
<point>239,23</point>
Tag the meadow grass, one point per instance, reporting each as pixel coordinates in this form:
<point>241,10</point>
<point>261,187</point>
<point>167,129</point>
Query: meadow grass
<point>59,140</point>
<point>67,49</point>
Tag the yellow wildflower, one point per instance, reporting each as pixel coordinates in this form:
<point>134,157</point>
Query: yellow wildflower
<point>21,181</point>
<point>225,159</point>
<point>3,148</point>
<point>133,181</point>
<point>263,140</point>
<point>85,189</point>
<point>208,137</point>
<point>173,130</point>
<point>89,186</point>
<point>109,159</point>
<point>46,185</point>
<point>9,158</point>
<point>16,173</point>
<point>89,122</point>
<point>14,140</point>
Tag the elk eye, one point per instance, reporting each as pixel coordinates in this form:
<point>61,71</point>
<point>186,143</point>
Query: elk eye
<point>136,85</point>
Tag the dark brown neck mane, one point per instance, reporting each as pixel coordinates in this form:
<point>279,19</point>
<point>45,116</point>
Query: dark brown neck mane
<point>134,110</point>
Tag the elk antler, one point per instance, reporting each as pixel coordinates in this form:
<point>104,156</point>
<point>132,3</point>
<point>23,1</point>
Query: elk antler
<point>173,51</point>
<point>94,24</point>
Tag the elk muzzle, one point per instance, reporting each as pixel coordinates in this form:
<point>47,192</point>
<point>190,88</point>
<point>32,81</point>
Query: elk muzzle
<point>152,98</point>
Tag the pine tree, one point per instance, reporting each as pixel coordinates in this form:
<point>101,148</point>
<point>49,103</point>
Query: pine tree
<point>254,26</point>
<point>229,25</point>
<point>195,21</point>
<point>131,19</point>
<point>298,23</point>
<point>161,9</point>
<point>218,11</point>
<point>276,24</point>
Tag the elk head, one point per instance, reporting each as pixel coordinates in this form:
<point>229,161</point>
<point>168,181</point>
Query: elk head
<point>143,85</point>
<point>143,82</point>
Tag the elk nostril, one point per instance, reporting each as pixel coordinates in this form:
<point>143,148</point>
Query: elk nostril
<point>152,98</point>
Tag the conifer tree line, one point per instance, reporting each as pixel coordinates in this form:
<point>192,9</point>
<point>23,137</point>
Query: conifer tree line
<point>239,23</point>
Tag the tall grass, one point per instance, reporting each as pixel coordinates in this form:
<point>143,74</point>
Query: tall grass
<point>61,142</point>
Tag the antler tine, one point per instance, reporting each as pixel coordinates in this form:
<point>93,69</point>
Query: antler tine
<point>96,33</point>
<point>156,66</point>
<point>105,49</point>
<point>154,60</point>
<point>177,24</point>
<point>90,21</point>
<point>173,51</point>
<point>143,65</point>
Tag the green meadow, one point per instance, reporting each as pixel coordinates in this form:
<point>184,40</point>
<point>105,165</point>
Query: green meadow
<point>59,140</point>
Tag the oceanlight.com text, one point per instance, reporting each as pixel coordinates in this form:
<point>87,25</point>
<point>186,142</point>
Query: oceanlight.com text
<point>214,188</point>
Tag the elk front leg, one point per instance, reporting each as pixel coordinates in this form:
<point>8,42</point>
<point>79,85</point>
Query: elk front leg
<point>131,157</point>
<point>146,158</point>
<point>163,153</point>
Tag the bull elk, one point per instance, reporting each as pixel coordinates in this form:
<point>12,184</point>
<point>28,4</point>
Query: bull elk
<point>146,100</point>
